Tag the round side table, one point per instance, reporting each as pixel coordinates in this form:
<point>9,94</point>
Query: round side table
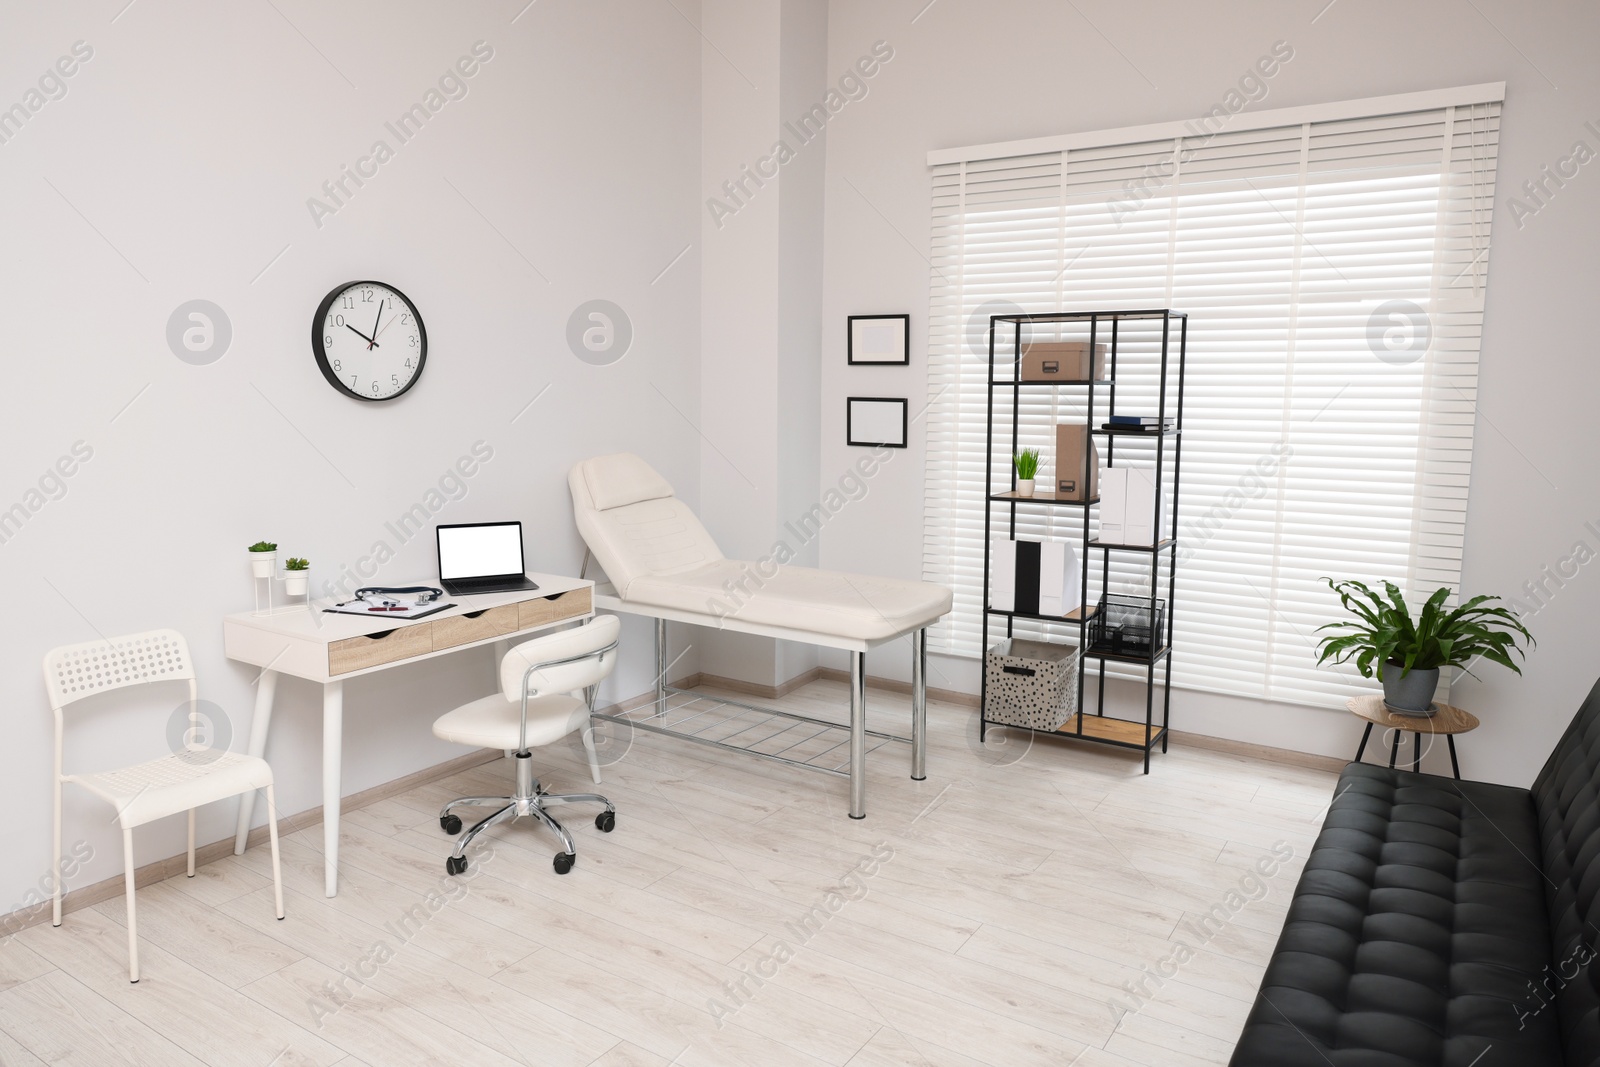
<point>1447,722</point>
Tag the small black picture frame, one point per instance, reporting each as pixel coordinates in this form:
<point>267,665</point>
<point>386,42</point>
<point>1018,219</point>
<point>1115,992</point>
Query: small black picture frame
<point>873,341</point>
<point>876,421</point>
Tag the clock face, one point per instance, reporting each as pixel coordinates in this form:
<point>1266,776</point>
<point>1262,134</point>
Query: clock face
<point>369,340</point>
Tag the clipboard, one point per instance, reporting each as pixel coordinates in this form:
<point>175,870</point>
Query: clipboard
<point>360,607</point>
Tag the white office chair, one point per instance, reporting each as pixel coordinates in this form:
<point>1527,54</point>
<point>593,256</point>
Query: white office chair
<point>159,787</point>
<point>547,688</point>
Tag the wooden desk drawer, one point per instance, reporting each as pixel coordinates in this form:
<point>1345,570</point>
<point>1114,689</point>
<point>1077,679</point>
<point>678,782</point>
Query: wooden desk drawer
<point>464,629</point>
<point>388,646</point>
<point>541,611</point>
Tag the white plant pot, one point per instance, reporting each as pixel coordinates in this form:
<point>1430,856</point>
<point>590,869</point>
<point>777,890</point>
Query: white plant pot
<point>295,583</point>
<point>1024,486</point>
<point>262,564</point>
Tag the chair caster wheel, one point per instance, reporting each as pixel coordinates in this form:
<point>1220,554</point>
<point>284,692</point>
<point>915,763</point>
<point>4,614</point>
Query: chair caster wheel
<point>450,824</point>
<point>455,864</point>
<point>606,821</point>
<point>564,862</point>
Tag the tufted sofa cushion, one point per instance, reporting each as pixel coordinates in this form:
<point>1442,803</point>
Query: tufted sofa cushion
<point>1416,932</point>
<point>1567,803</point>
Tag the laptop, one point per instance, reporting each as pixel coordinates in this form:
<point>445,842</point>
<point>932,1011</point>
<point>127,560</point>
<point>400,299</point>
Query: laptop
<point>481,557</point>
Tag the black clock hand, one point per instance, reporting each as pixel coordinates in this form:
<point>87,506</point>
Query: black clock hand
<point>370,341</point>
<point>358,333</point>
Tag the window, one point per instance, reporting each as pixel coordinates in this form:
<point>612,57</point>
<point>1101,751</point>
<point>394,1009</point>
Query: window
<point>1332,261</point>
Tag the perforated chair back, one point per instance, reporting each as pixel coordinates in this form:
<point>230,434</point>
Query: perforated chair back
<point>583,646</point>
<point>156,788</point>
<point>73,672</point>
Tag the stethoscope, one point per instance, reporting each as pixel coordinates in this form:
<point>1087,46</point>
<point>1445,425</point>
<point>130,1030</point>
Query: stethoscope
<point>382,598</point>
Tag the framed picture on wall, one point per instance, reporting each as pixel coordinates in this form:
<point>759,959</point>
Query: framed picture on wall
<point>884,340</point>
<point>872,421</point>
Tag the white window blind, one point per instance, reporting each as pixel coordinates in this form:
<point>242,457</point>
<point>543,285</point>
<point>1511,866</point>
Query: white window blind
<point>1332,262</point>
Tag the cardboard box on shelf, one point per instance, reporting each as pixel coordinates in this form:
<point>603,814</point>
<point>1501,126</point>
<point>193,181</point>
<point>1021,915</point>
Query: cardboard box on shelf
<point>1073,443</point>
<point>1066,361</point>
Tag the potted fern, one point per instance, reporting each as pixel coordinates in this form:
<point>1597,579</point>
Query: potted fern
<point>1406,655</point>
<point>263,554</point>
<point>1027,464</point>
<point>296,576</point>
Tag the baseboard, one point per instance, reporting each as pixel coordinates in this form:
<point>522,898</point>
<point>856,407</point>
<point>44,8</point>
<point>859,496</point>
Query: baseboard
<point>754,689</point>
<point>159,871</point>
<point>947,696</point>
<point>1215,744</point>
<point>1262,752</point>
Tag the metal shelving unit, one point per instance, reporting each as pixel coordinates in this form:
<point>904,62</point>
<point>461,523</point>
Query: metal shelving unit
<point>1104,327</point>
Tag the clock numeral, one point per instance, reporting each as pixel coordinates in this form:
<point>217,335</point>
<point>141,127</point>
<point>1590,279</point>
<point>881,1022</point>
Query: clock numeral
<point>338,320</point>
<point>327,339</point>
<point>366,296</point>
<point>405,320</point>
<point>408,364</point>
<point>352,380</point>
<point>413,340</point>
<point>348,303</point>
<point>394,379</point>
<point>336,366</point>
<point>374,388</point>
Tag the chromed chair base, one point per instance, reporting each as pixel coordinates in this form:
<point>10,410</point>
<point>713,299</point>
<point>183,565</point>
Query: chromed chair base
<point>530,801</point>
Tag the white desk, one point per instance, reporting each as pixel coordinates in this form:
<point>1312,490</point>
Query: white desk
<point>331,648</point>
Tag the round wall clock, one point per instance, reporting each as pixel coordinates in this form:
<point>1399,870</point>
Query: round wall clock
<point>369,340</point>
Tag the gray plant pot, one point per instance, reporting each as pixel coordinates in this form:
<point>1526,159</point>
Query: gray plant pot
<point>1411,694</point>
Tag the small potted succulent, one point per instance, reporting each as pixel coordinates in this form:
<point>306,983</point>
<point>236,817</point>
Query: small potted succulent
<point>263,556</point>
<point>1406,655</point>
<point>1027,465</point>
<point>296,576</point>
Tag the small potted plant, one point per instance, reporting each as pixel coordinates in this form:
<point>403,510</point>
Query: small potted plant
<point>296,576</point>
<point>1027,465</point>
<point>263,555</point>
<point>1406,655</point>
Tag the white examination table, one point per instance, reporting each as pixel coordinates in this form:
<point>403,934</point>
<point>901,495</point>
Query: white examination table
<point>663,565</point>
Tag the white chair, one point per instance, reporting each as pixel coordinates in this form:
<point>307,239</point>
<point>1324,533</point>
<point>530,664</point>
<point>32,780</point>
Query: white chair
<point>547,688</point>
<point>159,787</point>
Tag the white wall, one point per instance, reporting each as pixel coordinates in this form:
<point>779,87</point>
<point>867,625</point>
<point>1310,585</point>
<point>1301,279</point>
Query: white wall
<point>178,166</point>
<point>973,73</point>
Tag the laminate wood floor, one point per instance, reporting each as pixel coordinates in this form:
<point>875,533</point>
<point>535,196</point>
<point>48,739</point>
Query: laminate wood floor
<point>1043,904</point>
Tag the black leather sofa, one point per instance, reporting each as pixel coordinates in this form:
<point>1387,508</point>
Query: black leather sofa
<point>1445,923</point>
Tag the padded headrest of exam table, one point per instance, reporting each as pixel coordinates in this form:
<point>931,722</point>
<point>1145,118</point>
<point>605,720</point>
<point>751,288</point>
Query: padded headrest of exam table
<point>620,479</point>
<point>630,520</point>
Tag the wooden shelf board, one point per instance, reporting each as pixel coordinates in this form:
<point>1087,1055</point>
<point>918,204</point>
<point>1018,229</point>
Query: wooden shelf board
<point>1049,381</point>
<point>1075,615</point>
<point>1043,496</point>
<point>1105,729</point>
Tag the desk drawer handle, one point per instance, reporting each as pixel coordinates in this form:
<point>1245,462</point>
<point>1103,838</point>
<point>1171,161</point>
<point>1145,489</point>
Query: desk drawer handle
<point>379,636</point>
<point>554,596</point>
<point>474,614</point>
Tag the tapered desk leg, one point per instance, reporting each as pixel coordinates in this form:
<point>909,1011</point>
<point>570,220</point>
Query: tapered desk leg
<point>332,755</point>
<point>266,689</point>
<point>919,705</point>
<point>858,735</point>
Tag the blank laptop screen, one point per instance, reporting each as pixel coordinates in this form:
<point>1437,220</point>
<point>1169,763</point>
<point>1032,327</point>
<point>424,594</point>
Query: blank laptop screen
<point>480,551</point>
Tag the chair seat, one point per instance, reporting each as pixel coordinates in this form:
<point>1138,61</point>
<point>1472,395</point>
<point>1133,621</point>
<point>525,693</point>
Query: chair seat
<point>856,606</point>
<point>166,786</point>
<point>495,722</point>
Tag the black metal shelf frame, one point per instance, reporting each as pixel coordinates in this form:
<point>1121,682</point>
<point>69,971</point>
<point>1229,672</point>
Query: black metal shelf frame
<point>1174,327</point>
